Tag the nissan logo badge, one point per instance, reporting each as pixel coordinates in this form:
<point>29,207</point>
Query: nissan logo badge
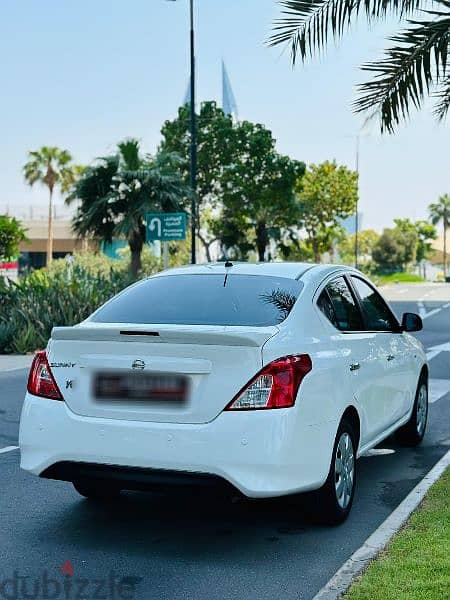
<point>138,365</point>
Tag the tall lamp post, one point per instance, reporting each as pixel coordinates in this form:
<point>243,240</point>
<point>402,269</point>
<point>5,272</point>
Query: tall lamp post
<point>357,202</point>
<point>193,132</point>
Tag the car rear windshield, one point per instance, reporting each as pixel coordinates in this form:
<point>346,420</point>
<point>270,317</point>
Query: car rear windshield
<point>204,299</point>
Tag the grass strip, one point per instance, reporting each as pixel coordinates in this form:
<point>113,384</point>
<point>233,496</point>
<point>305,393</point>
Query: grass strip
<point>416,563</point>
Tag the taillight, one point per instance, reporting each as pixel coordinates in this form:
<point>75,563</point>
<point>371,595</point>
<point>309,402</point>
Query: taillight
<point>275,386</point>
<point>40,380</point>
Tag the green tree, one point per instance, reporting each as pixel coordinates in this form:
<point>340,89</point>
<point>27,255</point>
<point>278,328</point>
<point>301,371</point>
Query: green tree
<point>367,238</point>
<point>52,167</point>
<point>396,249</point>
<point>426,232</point>
<point>117,191</point>
<point>414,67</point>
<point>234,234</point>
<point>11,234</point>
<point>258,191</point>
<point>440,211</point>
<point>296,249</point>
<point>388,251</point>
<point>216,145</point>
<point>326,194</point>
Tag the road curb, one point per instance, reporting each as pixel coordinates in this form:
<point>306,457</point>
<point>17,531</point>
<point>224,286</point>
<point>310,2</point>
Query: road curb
<point>376,542</point>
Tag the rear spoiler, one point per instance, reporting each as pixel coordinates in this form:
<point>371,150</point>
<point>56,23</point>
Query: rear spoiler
<point>168,334</point>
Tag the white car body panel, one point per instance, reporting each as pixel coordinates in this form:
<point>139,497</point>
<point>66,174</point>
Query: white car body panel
<point>260,452</point>
<point>216,372</point>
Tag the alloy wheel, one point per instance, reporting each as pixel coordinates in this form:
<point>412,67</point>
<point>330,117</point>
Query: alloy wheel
<point>344,469</point>
<point>422,409</point>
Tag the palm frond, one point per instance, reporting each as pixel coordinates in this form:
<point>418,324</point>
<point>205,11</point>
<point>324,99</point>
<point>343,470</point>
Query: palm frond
<point>282,300</point>
<point>306,25</point>
<point>440,210</point>
<point>49,162</point>
<point>405,75</point>
<point>443,95</point>
<point>129,153</point>
<point>33,172</point>
<point>169,161</point>
<point>95,181</point>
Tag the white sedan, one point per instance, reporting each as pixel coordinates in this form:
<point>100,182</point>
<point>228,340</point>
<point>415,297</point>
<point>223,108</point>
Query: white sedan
<point>266,379</point>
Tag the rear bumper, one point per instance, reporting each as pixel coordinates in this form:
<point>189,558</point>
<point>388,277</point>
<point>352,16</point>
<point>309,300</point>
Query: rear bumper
<point>136,478</point>
<point>261,453</point>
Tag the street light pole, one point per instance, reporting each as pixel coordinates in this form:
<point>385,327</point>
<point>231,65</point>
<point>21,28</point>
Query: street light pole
<point>357,198</point>
<point>193,134</point>
<point>193,129</point>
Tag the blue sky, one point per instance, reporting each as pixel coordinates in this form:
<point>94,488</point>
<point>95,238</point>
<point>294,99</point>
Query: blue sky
<point>85,74</point>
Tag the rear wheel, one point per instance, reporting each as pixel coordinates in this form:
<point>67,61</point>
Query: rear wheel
<point>333,501</point>
<point>412,433</point>
<point>96,490</point>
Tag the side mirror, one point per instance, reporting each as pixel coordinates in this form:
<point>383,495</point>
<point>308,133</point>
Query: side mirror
<point>411,322</point>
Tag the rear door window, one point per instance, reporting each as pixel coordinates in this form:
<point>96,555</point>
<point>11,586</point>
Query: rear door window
<point>204,299</point>
<point>339,306</point>
<point>325,305</point>
<point>377,314</point>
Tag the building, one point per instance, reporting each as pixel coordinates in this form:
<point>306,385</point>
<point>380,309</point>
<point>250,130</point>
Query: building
<point>229,104</point>
<point>33,252</point>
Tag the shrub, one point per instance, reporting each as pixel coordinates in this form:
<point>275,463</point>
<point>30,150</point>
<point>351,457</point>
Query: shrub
<point>64,294</point>
<point>95,263</point>
<point>179,254</point>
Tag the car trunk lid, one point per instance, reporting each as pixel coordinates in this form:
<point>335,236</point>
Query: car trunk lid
<point>215,362</point>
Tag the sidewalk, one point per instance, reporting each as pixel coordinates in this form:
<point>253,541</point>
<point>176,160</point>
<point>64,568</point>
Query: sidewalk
<point>14,362</point>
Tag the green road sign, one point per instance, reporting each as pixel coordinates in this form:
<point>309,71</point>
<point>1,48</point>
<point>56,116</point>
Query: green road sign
<point>166,227</point>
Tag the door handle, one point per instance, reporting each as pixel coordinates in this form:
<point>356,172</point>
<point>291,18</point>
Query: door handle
<point>355,366</point>
<point>390,357</point>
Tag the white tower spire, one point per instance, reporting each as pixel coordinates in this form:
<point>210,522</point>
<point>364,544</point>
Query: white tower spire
<point>229,104</point>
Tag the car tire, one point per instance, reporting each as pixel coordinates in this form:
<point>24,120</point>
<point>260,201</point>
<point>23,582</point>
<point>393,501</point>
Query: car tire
<point>331,504</point>
<point>412,433</point>
<point>96,490</point>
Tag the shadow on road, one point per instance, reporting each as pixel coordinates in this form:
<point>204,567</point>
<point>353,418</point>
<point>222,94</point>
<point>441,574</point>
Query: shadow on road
<point>195,525</point>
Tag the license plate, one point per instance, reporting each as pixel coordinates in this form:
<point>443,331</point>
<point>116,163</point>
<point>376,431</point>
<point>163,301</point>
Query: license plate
<point>140,386</point>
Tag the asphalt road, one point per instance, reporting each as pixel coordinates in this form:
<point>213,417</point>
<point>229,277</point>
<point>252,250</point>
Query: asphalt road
<point>183,547</point>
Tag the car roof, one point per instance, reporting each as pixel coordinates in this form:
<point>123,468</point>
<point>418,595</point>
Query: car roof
<point>291,270</point>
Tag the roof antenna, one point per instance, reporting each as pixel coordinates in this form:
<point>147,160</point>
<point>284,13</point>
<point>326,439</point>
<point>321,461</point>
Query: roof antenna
<point>228,265</point>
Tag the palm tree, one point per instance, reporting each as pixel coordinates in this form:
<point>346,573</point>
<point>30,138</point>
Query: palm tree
<point>440,211</point>
<point>51,167</point>
<point>413,67</point>
<point>117,191</point>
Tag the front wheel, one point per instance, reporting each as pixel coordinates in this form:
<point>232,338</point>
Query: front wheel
<point>333,501</point>
<point>412,433</point>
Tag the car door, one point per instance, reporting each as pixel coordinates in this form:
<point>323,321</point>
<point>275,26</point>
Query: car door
<point>397,366</point>
<point>362,364</point>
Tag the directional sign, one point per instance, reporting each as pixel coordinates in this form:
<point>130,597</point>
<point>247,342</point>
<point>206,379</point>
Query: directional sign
<point>166,227</point>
